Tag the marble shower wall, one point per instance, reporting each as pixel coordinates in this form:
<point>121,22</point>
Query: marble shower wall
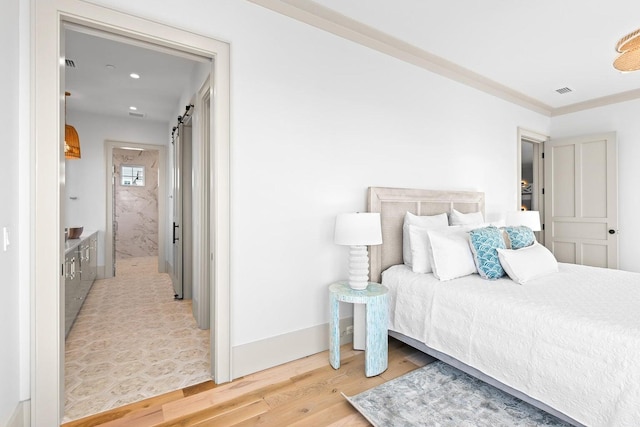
<point>136,207</point>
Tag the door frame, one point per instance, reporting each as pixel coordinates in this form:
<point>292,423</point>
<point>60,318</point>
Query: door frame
<point>202,267</point>
<point>46,193</point>
<point>109,242</point>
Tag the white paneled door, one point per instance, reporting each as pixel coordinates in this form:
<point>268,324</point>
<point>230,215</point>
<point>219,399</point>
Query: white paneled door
<point>581,199</point>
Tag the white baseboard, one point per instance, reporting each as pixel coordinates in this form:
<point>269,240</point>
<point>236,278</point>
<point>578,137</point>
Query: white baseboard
<point>270,352</point>
<point>100,272</point>
<point>168,268</point>
<point>21,416</point>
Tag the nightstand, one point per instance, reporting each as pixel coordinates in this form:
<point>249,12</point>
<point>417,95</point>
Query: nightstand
<point>376,320</point>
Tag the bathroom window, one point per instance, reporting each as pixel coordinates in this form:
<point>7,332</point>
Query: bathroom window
<point>131,175</point>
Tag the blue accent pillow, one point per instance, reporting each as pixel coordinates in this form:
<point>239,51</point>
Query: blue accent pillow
<point>520,236</point>
<point>485,243</point>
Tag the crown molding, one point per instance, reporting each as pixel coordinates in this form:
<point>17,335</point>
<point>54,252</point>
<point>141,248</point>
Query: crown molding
<point>597,102</point>
<point>335,23</point>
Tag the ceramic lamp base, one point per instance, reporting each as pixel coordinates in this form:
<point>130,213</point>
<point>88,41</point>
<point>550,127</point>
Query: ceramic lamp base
<point>358,267</point>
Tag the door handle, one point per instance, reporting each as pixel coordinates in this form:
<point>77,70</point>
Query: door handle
<point>174,232</point>
<point>612,231</point>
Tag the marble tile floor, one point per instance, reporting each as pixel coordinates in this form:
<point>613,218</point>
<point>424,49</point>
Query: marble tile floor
<point>131,341</point>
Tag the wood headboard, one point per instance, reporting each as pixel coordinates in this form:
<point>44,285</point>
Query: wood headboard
<point>393,203</point>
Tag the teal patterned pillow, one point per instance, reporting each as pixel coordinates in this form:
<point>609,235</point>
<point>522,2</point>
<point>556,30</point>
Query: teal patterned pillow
<point>484,244</point>
<point>520,236</point>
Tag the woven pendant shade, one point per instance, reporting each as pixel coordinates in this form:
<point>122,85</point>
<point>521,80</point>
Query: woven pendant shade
<point>629,48</point>
<point>71,138</point>
<point>71,143</point>
<point>628,42</point>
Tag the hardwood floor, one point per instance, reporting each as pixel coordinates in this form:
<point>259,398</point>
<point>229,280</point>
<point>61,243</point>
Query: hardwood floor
<point>305,392</point>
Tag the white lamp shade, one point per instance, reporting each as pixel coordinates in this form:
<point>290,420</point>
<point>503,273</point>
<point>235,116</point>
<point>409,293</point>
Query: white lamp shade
<point>356,229</point>
<point>530,219</point>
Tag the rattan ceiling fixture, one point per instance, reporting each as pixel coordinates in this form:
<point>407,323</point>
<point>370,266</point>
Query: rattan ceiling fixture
<point>71,138</point>
<point>629,48</point>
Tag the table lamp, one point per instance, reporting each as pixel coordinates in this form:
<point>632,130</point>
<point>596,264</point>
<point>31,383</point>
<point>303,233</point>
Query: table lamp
<point>530,219</point>
<point>358,230</point>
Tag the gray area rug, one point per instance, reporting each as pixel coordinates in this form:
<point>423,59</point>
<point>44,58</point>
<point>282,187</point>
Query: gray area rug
<point>441,395</point>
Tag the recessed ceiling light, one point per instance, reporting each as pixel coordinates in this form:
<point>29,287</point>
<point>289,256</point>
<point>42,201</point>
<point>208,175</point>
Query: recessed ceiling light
<point>134,76</point>
<point>110,67</point>
<point>132,108</point>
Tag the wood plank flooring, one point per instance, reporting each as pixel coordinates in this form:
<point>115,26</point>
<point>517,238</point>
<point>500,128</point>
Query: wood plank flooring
<point>305,392</point>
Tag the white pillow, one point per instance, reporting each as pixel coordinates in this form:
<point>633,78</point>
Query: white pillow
<point>527,263</point>
<point>459,218</point>
<point>433,221</point>
<point>419,237</point>
<point>450,253</point>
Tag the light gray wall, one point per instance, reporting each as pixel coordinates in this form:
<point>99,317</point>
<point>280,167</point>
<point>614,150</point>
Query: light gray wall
<point>623,119</point>
<point>86,177</point>
<point>9,178</point>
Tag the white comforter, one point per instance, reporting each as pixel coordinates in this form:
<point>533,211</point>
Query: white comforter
<point>570,339</point>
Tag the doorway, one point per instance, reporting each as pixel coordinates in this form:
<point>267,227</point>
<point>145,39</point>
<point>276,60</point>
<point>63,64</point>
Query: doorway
<point>48,187</point>
<point>530,182</point>
<point>113,173</point>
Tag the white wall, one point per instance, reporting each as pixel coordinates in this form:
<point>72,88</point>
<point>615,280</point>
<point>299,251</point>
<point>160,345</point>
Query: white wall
<point>9,177</point>
<point>623,118</point>
<point>86,177</point>
<point>315,121</point>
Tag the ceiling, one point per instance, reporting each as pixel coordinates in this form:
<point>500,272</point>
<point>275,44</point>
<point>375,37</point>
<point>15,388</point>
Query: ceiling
<point>100,82</point>
<point>520,50</point>
<point>531,47</point>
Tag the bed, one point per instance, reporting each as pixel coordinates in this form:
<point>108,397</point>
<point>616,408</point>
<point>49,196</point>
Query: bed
<point>568,342</point>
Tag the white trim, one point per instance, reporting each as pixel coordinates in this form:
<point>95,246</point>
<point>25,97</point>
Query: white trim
<point>314,14</point>
<point>284,348</point>
<point>26,216</point>
<point>21,415</point>
<point>220,209</point>
<point>202,217</point>
<point>162,208</point>
<point>47,169</point>
<point>335,23</point>
<point>597,102</point>
<point>119,38</point>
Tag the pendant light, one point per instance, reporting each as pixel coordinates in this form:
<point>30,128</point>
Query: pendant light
<point>71,138</point>
<point>629,48</point>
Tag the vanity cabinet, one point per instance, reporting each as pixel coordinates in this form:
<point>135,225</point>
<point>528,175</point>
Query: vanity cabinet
<point>81,269</point>
<point>71,289</point>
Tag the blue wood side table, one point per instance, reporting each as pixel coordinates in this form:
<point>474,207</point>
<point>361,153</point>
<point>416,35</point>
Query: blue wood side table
<point>377,320</point>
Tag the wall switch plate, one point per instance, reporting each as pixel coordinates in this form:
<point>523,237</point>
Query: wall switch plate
<point>5,238</point>
<point>349,330</point>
